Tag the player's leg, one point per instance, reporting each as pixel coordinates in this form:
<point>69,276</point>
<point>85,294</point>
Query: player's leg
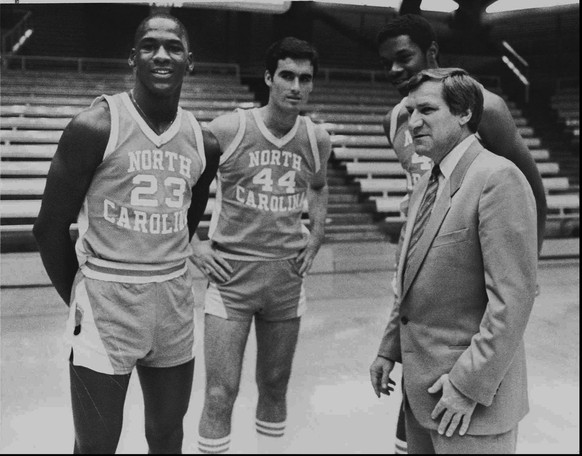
<point>97,400</point>
<point>276,343</point>
<point>224,345</point>
<point>400,442</point>
<point>166,393</point>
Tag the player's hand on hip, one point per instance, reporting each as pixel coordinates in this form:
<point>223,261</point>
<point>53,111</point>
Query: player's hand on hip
<point>457,408</point>
<point>307,255</point>
<point>380,376</point>
<point>210,262</point>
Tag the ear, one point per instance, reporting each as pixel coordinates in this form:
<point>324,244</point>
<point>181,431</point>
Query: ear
<point>190,66</point>
<point>131,58</point>
<point>268,78</point>
<point>464,118</point>
<point>432,55</point>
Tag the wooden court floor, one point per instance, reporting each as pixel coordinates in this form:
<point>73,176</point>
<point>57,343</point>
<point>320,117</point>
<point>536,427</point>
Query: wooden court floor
<point>332,408</point>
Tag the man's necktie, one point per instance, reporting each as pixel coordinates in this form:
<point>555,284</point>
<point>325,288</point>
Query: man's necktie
<point>423,212</point>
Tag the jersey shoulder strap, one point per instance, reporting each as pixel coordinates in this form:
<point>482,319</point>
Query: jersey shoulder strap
<point>237,138</point>
<point>313,142</point>
<point>394,120</point>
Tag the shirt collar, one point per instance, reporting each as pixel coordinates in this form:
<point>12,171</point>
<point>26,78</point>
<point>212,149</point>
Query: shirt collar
<point>448,164</point>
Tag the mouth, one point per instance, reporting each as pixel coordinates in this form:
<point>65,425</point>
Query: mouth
<point>162,72</point>
<point>294,99</point>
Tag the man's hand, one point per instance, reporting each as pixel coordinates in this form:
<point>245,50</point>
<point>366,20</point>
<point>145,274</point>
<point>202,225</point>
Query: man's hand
<point>306,256</point>
<point>455,404</point>
<point>380,376</point>
<point>210,263</point>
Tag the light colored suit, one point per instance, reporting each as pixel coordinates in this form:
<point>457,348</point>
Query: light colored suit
<point>466,298</point>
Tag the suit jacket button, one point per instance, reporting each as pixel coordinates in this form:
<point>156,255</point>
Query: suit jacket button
<point>404,320</point>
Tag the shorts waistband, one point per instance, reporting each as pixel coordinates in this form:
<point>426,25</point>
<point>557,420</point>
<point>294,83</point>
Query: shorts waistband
<point>110,271</point>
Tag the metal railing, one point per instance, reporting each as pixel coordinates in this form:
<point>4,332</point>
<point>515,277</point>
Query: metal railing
<point>89,64</point>
<point>518,66</point>
<point>21,31</point>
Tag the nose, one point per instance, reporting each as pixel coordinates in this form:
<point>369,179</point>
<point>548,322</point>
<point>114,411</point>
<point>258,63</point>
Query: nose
<point>161,54</point>
<point>395,68</point>
<point>295,86</point>
<point>414,121</point>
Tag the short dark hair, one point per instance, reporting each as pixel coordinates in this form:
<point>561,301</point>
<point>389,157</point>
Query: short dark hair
<point>293,48</point>
<point>416,27</point>
<point>140,31</point>
<point>460,91</point>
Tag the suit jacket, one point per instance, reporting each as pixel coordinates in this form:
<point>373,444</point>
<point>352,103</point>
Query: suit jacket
<point>465,301</point>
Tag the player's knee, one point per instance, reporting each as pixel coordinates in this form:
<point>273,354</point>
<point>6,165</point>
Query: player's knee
<point>221,398</point>
<point>274,384</point>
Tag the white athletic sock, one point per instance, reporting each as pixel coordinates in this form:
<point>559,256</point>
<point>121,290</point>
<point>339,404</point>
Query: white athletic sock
<point>270,437</point>
<point>400,446</point>
<point>214,446</point>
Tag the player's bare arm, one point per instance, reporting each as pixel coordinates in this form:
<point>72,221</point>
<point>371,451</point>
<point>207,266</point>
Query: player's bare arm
<point>317,197</point>
<point>207,259</point>
<point>78,154</point>
<point>500,135</point>
<point>201,189</point>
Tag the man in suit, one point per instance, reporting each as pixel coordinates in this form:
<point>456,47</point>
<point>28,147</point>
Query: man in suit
<point>466,281</point>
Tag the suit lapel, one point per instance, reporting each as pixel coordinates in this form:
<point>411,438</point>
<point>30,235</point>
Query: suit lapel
<point>439,212</point>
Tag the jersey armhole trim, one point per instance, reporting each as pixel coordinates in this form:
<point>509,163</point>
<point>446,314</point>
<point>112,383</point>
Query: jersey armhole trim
<point>313,142</point>
<point>199,138</point>
<point>114,133</point>
<point>394,122</point>
<point>237,138</point>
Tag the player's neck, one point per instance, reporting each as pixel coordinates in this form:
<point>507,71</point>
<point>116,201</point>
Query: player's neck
<point>158,112</point>
<point>278,122</point>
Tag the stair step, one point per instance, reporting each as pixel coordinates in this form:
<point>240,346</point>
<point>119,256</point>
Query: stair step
<point>342,208</point>
<point>360,236</point>
<point>348,198</point>
<point>350,219</point>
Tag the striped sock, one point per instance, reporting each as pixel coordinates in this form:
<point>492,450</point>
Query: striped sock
<point>214,446</point>
<point>400,446</point>
<point>270,437</point>
<point>271,429</point>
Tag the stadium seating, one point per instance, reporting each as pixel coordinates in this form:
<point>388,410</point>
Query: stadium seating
<point>365,178</point>
<point>566,103</point>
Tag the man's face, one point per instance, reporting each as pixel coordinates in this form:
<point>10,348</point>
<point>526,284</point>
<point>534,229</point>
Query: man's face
<point>291,84</point>
<point>161,57</point>
<point>402,58</point>
<point>434,129</point>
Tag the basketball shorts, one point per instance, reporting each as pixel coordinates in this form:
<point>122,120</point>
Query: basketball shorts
<point>268,290</point>
<point>114,326</point>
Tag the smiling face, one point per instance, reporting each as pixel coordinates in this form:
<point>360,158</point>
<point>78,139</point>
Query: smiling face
<point>435,130</point>
<point>161,57</point>
<point>291,84</point>
<point>402,58</point>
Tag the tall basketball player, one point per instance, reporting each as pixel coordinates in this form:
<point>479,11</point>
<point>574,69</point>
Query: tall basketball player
<point>273,161</point>
<point>134,170</point>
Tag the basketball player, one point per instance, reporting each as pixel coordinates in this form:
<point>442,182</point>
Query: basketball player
<point>406,45</point>
<point>273,161</point>
<point>134,170</point>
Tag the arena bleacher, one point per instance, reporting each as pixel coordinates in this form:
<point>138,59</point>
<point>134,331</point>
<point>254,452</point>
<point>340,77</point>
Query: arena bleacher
<point>366,181</point>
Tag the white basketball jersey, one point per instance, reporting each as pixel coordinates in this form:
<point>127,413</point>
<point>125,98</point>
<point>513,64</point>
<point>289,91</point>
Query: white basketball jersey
<point>133,222</point>
<point>262,187</point>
